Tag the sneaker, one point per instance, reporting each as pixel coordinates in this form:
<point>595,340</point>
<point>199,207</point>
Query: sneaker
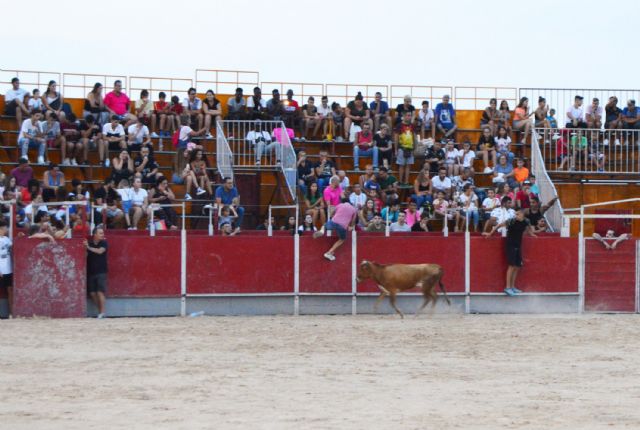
<point>40,159</point>
<point>618,142</point>
<point>339,139</point>
<point>207,207</point>
<point>74,162</point>
<point>209,136</point>
<point>318,233</point>
<point>200,191</point>
<point>488,170</point>
<point>605,142</point>
<point>101,316</point>
<point>303,139</point>
<point>556,136</point>
<point>516,290</point>
<point>155,135</point>
<point>330,257</point>
<point>107,163</point>
<point>187,196</point>
<point>509,292</point>
<point>66,162</point>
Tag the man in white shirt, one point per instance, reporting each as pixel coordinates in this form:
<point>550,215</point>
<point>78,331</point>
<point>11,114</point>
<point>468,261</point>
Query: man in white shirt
<point>427,121</point>
<point>442,183</point>
<point>31,136</point>
<point>594,114</point>
<point>357,198</point>
<point>575,114</point>
<point>262,144</point>
<point>138,136</point>
<point>256,105</point>
<point>500,214</point>
<point>193,107</point>
<point>324,114</point>
<point>400,225</point>
<point>14,101</point>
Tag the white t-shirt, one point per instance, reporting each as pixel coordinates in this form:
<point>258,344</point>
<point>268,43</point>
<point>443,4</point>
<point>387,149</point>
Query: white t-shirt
<point>196,104</point>
<point>5,256</point>
<point>490,204</point>
<point>125,194</point>
<point>108,131</point>
<point>439,184</point>
<point>138,198</point>
<point>467,159</point>
<point>324,111</point>
<point>598,111</point>
<point>578,113</point>
<point>464,199</point>
<point>501,215</point>
<point>358,200</point>
<point>138,134</point>
<point>426,117</point>
<point>502,143</point>
<point>35,104</point>
<point>344,184</point>
<point>15,94</point>
<point>254,137</point>
<point>451,156</point>
<point>29,130</point>
<point>184,132</point>
<point>251,104</point>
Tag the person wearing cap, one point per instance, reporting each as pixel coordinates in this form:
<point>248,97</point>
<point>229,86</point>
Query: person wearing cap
<point>14,101</point>
<point>630,116</point>
<point>275,108</point>
<point>575,114</point>
<point>291,111</point>
<point>523,196</point>
<point>594,114</point>
<point>236,106</point>
<point>23,173</point>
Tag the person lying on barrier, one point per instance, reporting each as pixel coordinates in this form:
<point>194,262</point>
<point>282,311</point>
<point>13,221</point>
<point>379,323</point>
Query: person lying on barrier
<point>610,236</point>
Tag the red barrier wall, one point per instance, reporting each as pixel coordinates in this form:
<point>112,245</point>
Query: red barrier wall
<point>319,275</point>
<point>49,279</point>
<point>610,277</point>
<point>445,251</point>
<point>550,265</point>
<point>240,264</point>
<point>143,266</point>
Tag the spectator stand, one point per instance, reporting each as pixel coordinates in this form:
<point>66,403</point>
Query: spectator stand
<point>155,85</point>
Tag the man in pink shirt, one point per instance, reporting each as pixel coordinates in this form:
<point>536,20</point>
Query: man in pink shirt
<point>118,103</point>
<point>332,194</point>
<point>344,219</point>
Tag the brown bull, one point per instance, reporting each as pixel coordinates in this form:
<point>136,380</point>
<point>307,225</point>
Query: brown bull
<point>391,278</point>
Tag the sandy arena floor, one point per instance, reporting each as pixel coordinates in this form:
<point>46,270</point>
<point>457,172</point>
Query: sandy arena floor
<point>447,371</point>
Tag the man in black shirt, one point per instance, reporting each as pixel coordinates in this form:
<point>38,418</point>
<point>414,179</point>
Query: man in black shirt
<point>515,229</point>
<point>97,269</point>
<point>147,166</point>
<point>107,195</point>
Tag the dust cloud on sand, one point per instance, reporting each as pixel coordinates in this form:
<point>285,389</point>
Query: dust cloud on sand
<point>375,372</point>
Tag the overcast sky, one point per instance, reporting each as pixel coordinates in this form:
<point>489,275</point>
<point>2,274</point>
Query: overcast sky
<point>541,43</point>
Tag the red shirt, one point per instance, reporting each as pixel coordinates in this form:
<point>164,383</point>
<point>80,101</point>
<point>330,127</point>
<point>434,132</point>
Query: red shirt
<point>364,140</point>
<point>523,197</point>
<point>160,106</point>
<point>176,108</point>
<point>291,105</point>
<point>118,104</point>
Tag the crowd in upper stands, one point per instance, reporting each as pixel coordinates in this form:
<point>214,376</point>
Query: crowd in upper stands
<point>425,139</point>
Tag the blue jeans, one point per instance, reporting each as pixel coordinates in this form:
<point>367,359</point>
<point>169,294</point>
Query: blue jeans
<point>421,200</point>
<point>240,211</point>
<point>322,183</point>
<point>303,187</point>
<point>342,233</point>
<point>472,216</point>
<point>25,144</point>
<point>357,153</point>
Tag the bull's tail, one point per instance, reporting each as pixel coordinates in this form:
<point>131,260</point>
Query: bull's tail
<point>444,292</point>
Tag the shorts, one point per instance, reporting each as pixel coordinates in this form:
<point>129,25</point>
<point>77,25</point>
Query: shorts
<point>540,124</point>
<point>514,255</point>
<point>112,213</point>
<point>446,125</point>
<point>6,281</point>
<point>134,147</point>
<point>10,108</point>
<point>178,180</point>
<point>342,233</point>
<point>97,283</point>
<point>401,160</point>
<point>114,146</point>
<point>126,205</point>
